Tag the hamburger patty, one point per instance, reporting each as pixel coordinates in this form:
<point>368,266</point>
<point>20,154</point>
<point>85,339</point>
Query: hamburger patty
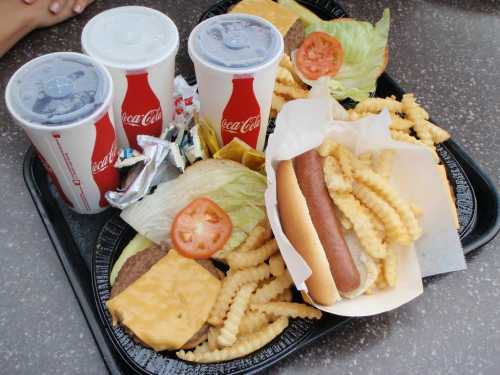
<point>136,266</point>
<point>294,37</point>
<point>140,263</point>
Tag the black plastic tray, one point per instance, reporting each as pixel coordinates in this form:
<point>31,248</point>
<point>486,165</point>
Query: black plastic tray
<point>74,236</point>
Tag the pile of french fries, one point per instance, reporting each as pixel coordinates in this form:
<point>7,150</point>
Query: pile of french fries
<point>410,122</point>
<point>254,304</point>
<point>288,86</point>
<point>370,206</point>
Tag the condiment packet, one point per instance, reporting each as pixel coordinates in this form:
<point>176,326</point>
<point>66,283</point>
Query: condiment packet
<point>187,144</point>
<point>304,124</point>
<point>128,157</point>
<point>144,175</point>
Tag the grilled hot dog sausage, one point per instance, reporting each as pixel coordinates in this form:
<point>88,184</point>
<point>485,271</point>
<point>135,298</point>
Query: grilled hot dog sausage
<point>309,171</point>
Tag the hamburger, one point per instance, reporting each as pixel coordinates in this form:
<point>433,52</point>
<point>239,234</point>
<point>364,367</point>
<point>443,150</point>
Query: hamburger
<point>309,220</point>
<point>287,22</point>
<point>163,299</point>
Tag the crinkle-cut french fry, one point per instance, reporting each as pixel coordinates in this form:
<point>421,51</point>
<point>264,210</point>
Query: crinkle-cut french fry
<point>345,159</point>
<point>378,225</point>
<point>285,76</point>
<point>257,236</point>
<point>285,296</point>
<point>417,210</point>
<point>202,348</point>
<point>382,163</point>
<point>327,147</point>
<point>399,123</point>
<point>439,135</point>
<point>379,185</point>
<point>277,102</point>
<point>353,115</point>
<point>243,346</point>
<point>412,110</point>
<point>289,309</point>
<point>370,290</point>
<point>423,132</point>
<point>243,259</point>
<point>390,267</point>
<point>213,333</point>
<point>366,159</point>
<point>381,282</point>
<point>398,135</point>
<point>230,329</point>
<point>230,286</point>
<point>270,290</point>
<point>277,265</point>
<point>335,180</point>
<point>394,227</point>
<point>344,221</point>
<point>362,224</point>
<point>286,62</point>
<point>376,105</point>
<point>290,91</point>
<point>252,321</point>
<point>306,297</point>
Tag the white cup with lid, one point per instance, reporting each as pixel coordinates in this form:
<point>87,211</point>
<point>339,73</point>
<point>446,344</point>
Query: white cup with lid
<point>236,57</point>
<point>138,46</point>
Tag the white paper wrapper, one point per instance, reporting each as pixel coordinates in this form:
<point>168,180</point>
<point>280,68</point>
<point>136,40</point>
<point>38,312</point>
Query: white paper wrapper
<point>303,125</point>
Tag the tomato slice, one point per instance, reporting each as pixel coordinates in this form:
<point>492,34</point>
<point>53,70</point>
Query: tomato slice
<point>319,55</point>
<point>200,229</point>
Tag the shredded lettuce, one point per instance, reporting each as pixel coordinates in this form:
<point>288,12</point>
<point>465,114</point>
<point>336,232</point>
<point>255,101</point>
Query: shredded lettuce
<point>364,48</point>
<point>236,189</point>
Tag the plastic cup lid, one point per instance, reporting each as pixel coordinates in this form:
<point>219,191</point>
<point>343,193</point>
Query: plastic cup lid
<point>58,89</point>
<point>236,41</point>
<point>130,37</point>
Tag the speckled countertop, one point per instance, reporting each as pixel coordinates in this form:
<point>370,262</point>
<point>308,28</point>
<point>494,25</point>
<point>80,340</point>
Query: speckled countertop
<point>447,52</point>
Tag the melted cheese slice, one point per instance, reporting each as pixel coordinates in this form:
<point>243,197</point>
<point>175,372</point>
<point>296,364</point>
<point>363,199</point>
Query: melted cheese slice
<point>277,14</point>
<point>167,305</point>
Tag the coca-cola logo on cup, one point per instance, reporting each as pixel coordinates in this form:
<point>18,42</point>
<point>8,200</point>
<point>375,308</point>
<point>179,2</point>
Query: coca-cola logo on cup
<point>147,119</point>
<point>108,160</point>
<point>241,127</point>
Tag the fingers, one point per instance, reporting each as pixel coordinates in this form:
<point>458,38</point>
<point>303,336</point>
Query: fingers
<point>56,6</point>
<point>80,5</point>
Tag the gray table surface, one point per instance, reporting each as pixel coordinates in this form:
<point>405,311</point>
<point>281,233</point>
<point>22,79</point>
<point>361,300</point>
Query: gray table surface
<point>447,52</point>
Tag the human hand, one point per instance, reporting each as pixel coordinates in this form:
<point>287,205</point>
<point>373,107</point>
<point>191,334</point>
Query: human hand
<point>56,6</point>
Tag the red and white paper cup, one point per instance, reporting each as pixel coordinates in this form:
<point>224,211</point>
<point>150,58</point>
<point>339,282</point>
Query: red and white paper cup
<point>236,58</point>
<point>63,102</point>
<point>138,46</point>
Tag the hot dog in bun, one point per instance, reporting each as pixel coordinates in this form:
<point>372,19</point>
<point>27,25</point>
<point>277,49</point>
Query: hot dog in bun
<point>308,217</point>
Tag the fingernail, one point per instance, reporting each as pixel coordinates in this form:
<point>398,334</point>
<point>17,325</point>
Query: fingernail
<point>28,1</point>
<point>54,7</point>
<point>78,8</point>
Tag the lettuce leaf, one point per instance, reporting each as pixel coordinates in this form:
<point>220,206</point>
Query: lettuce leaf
<point>235,188</point>
<point>364,48</point>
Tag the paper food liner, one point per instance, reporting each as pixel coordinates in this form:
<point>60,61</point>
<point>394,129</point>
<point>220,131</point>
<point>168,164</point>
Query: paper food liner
<point>303,125</point>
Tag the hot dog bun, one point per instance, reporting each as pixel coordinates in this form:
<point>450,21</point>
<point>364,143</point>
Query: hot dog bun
<point>309,221</point>
<point>299,229</point>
